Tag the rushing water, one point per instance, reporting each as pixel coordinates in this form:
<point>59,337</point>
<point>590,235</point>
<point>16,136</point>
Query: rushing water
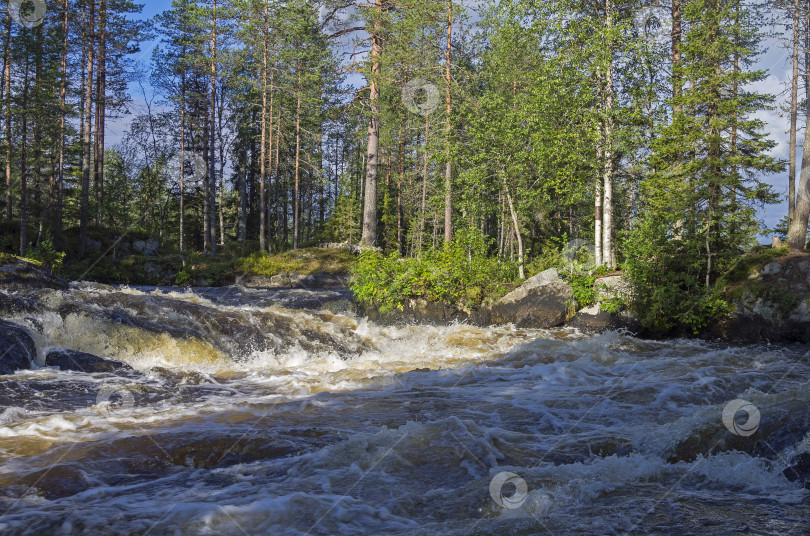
<point>245,416</point>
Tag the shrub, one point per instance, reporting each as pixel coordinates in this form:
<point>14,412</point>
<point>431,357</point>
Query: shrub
<point>459,274</point>
<point>46,253</point>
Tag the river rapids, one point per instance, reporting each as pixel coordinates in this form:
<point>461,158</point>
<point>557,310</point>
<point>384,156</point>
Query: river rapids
<point>261,412</point>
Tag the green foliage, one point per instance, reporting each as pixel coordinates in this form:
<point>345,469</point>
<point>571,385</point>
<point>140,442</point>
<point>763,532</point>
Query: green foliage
<point>300,261</point>
<point>550,257</point>
<point>7,258</point>
<point>47,254</point>
<point>668,278</point>
<point>183,279</point>
<point>583,289</point>
<point>459,274</point>
<point>613,305</point>
<point>782,300</point>
<point>749,263</point>
<point>691,232</point>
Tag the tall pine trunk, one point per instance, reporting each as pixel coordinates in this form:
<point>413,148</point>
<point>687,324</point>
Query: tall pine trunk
<point>296,194</point>
<point>370,200</point>
<point>88,126</point>
<point>7,91</point>
<point>797,231</point>
<point>608,253</point>
<point>676,53</point>
<point>794,114</point>
<point>448,172</point>
<point>63,82</point>
<point>212,174</point>
<point>24,166</point>
<point>101,100</point>
<point>263,148</point>
<point>183,156</point>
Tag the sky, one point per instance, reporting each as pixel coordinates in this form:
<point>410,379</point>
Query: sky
<point>775,60</point>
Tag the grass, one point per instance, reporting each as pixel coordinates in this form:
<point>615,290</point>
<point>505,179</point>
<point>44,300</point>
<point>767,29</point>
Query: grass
<point>192,268</point>
<point>302,261</point>
<point>7,258</point>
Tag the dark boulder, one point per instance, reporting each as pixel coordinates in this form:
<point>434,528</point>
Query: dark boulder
<point>543,301</point>
<point>17,348</point>
<point>416,311</point>
<point>799,471</point>
<point>594,319</point>
<point>83,362</point>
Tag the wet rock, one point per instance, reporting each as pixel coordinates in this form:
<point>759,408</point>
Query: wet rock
<point>25,275</point>
<point>543,301</point>
<point>83,362</point>
<point>786,425</point>
<point>799,470</point>
<point>416,311</point>
<point>340,307</point>
<point>594,319</point>
<point>17,348</point>
<point>292,280</point>
<point>186,330</point>
<point>16,305</point>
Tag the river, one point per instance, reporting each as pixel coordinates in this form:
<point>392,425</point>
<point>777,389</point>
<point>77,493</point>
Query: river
<point>256,412</point>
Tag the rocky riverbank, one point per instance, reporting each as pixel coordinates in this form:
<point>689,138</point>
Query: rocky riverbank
<point>770,304</point>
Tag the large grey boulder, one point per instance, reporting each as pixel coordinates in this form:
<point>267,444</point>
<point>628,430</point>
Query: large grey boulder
<point>543,301</point>
<point>614,286</point>
<point>17,348</point>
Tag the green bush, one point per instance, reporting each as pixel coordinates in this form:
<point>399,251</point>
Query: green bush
<point>47,254</point>
<point>459,274</point>
<point>583,290</point>
<point>183,279</point>
<point>669,281</point>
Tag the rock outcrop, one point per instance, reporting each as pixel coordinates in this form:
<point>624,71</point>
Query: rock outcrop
<point>772,305</point>
<point>595,318</point>
<point>17,348</point>
<point>543,301</point>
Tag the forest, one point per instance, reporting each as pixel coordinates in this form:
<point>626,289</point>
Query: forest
<point>514,133</point>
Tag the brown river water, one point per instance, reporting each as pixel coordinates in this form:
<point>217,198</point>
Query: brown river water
<point>258,412</point>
